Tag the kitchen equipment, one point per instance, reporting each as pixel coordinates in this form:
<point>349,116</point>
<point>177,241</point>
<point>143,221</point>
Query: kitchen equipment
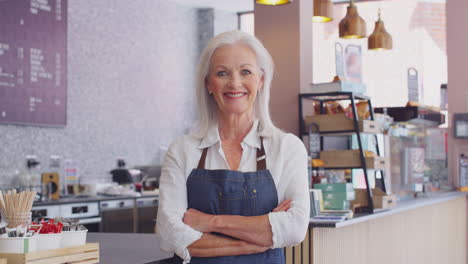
<point>149,176</point>
<point>121,175</point>
<point>118,216</point>
<point>147,210</point>
<point>87,213</point>
<point>50,186</point>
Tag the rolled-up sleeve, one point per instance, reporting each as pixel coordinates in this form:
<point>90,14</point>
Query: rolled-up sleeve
<point>174,235</point>
<point>289,228</point>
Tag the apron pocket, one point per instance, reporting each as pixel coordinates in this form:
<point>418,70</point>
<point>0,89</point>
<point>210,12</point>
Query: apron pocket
<point>238,203</point>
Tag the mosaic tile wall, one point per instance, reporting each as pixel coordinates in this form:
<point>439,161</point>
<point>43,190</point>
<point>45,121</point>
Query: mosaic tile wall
<point>130,87</point>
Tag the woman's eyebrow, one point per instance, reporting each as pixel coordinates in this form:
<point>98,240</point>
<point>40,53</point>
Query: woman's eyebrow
<point>219,66</point>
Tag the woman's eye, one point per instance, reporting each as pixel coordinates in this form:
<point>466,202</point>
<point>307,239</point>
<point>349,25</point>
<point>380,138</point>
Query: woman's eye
<point>221,73</point>
<point>246,72</point>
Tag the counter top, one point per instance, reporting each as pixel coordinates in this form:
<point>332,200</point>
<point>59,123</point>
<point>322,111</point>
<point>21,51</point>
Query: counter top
<point>119,248</point>
<point>433,198</point>
<point>85,199</point>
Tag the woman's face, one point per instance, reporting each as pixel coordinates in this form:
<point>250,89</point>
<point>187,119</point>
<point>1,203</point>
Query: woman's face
<point>234,79</point>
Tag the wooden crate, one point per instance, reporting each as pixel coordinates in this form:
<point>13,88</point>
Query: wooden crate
<point>349,158</point>
<point>86,254</point>
<point>340,122</point>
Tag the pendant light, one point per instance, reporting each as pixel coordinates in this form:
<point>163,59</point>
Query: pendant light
<point>273,2</point>
<point>323,11</point>
<point>352,26</point>
<point>379,39</point>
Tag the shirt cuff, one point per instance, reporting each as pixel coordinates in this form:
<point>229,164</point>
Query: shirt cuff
<point>183,252</point>
<point>275,230</point>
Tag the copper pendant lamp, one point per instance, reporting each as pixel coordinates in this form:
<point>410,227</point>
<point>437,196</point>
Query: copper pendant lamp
<point>323,11</point>
<point>352,26</point>
<point>273,2</point>
<point>379,39</point>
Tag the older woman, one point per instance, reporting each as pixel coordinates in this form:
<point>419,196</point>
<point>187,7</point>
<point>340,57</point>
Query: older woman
<point>236,190</point>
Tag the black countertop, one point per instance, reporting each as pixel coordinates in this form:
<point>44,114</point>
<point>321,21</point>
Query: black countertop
<point>119,248</point>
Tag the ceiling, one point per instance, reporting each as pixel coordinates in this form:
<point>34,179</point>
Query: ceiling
<point>227,5</point>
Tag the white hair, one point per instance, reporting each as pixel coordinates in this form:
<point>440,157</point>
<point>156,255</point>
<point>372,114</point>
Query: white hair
<point>207,108</point>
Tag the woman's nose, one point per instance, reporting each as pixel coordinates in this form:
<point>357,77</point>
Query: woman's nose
<point>235,80</point>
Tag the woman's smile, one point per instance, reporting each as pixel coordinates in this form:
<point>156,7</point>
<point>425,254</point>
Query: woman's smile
<point>235,95</point>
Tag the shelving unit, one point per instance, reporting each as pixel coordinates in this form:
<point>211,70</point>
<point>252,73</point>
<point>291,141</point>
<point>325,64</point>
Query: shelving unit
<point>355,130</point>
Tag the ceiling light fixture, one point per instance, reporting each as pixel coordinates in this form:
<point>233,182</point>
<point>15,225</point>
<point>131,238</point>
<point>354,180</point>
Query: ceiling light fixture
<point>323,11</point>
<point>379,39</point>
<point>273,2</point>
<point>352,26</point>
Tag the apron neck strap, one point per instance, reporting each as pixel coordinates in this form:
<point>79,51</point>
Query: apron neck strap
<point>261,158</point>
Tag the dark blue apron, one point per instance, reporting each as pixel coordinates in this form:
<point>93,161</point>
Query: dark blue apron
<point>228,192</point>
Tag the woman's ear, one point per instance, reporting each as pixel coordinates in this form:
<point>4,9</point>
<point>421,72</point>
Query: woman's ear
<point>207,86</point>
<point>260,85</point>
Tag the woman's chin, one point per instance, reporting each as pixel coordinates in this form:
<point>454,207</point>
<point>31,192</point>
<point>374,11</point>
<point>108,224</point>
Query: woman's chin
<point>238,110</point>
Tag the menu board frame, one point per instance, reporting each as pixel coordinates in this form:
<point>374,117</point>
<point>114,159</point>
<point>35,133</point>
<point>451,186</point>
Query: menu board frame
<point>33,62</point>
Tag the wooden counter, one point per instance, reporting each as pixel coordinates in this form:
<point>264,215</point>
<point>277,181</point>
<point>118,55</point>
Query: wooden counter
<point>430,230</point>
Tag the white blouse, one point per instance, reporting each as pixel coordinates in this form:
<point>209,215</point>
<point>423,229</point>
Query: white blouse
<point>286,158</point>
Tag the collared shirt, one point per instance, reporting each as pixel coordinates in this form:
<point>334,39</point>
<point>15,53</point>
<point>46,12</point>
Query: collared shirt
<point>286,158</point>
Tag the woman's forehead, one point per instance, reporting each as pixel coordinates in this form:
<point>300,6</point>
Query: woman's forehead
<point>238,53</point>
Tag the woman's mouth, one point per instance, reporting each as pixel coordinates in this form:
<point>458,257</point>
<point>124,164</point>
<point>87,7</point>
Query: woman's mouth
<point>234,95</point>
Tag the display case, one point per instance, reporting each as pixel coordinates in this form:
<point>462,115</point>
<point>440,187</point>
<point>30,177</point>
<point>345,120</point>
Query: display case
<point>418,158</point>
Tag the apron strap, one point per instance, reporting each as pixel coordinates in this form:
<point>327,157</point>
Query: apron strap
<point>261,158</point>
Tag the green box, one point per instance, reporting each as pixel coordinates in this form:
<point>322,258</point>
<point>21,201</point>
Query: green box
<point>335,187</point>
<point>336,204</point>
<point>344,196</point>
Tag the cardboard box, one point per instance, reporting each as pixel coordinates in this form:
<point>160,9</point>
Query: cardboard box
<point>340,122</point>
<point>334,187</point>
<point>379,198</point>
<point>350,158</point>
<point>339,86</point>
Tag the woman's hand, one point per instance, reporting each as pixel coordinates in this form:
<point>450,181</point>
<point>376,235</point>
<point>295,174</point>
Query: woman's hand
<point>210,245</point>
<point>198,220</point>
<point>284,206</point>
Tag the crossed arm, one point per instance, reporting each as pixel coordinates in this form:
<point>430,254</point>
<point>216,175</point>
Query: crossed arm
<point>253,233</point>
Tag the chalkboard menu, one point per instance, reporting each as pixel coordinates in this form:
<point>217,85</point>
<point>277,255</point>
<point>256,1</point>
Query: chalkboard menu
<point>33,62</point>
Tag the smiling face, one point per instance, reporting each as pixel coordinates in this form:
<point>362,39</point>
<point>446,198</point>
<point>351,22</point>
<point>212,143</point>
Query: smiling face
<point>234,79</point>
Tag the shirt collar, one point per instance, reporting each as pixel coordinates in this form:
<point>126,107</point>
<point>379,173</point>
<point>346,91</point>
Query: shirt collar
<point>212,136</point>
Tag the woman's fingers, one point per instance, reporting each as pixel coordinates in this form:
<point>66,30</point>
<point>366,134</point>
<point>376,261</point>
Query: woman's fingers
<point>283,206</point>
